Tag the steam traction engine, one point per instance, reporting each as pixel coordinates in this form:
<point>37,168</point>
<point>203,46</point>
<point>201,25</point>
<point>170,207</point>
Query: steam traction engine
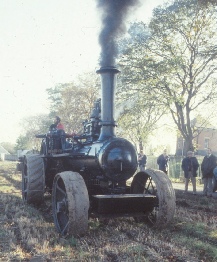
<point>87,174</point>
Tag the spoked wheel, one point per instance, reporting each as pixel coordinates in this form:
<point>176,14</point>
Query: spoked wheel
<point>70,203</point>
<point>33,179</point>
<point>157,183</point>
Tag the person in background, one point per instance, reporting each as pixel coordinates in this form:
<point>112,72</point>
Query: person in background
<point>207,166</point>
<point>57,124</point>
<point>162,162</point>
<point>190,166</point>
<point>142,160</point>
<point>214,180</point>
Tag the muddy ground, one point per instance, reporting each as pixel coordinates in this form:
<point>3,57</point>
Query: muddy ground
<point>27,233</point>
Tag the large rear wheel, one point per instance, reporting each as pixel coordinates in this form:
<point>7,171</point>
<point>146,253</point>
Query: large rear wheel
<point>157,183</point>
<point>33,179</point>
<point>70,203</point>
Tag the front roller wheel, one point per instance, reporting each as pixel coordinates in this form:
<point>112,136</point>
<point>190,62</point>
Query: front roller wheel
<point>33,179</point>
<point>156,183</point>
<point>70,203</point>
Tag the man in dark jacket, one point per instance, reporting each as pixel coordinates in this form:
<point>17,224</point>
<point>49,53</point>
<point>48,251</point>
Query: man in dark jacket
<point>207,167</point>
<point>162,162</point>
<point>142,159</point>
<point>190,166</point>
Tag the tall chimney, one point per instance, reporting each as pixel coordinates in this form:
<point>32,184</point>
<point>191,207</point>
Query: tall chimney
<point>108,84</point>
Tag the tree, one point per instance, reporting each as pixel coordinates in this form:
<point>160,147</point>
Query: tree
<point>22,143</point>
<point>138,119</point>
<point>140,105</point>
<point>32,126</point>
<point>74,101</point>
<point>178,60</point>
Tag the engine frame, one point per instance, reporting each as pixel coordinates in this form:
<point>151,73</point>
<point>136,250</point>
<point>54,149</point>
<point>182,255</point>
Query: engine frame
<point>95,173</point>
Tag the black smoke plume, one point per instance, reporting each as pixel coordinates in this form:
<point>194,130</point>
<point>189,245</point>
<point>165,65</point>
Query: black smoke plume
<point>114,13</point>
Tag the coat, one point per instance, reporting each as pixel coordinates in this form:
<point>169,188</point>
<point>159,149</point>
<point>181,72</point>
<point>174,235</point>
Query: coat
<point>207,166</point>
<point>190,164</point>
<point>142,160</point>
<point>162,162</point>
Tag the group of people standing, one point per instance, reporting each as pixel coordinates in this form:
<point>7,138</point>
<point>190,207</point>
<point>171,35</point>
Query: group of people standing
<point>162,161</point>
<point>190,167</point>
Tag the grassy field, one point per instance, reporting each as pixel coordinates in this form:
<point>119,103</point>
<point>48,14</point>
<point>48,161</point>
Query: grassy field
<point>27,233</point>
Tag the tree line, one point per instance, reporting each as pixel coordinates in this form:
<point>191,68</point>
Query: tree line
<point>168,68</point>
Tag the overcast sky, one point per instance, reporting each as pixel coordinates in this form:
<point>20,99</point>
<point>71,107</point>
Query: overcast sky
<point>43,43</point>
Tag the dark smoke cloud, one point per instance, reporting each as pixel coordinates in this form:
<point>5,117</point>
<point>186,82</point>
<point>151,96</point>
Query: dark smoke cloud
<point>114,13</point>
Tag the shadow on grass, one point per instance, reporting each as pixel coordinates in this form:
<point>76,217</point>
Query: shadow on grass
<point>197,237</point>
<point>9,230</point>
<point>196,202</point>
<point>22,227</point>
<point>9,175</point>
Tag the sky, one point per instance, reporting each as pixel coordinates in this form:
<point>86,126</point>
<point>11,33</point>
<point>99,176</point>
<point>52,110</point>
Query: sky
<point>43,43</point>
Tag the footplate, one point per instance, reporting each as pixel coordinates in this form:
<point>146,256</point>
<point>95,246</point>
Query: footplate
<point>123,204</point>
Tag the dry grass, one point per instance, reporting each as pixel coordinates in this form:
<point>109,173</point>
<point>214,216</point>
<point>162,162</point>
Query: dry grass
<point>27,233</point>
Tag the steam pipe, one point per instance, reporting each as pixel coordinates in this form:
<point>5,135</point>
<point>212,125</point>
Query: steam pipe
<point>108,84</point>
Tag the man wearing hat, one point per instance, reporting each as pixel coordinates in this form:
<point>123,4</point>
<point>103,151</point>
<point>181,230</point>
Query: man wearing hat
<point>190,166</point>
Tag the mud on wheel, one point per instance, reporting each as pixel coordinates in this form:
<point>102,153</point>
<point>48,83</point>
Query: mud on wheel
<point>33,179</point>
<point>70,203</point>
<point>156,183</point>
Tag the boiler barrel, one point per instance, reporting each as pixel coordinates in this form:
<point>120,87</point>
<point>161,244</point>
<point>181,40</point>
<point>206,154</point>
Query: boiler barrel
<point>115,159</point>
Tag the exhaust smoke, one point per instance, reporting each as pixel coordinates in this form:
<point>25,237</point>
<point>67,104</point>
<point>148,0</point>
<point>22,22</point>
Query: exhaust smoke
<point>114,13</point>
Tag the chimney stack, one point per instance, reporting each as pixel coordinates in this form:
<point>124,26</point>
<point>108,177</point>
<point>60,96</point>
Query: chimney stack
<point>108,84</point>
